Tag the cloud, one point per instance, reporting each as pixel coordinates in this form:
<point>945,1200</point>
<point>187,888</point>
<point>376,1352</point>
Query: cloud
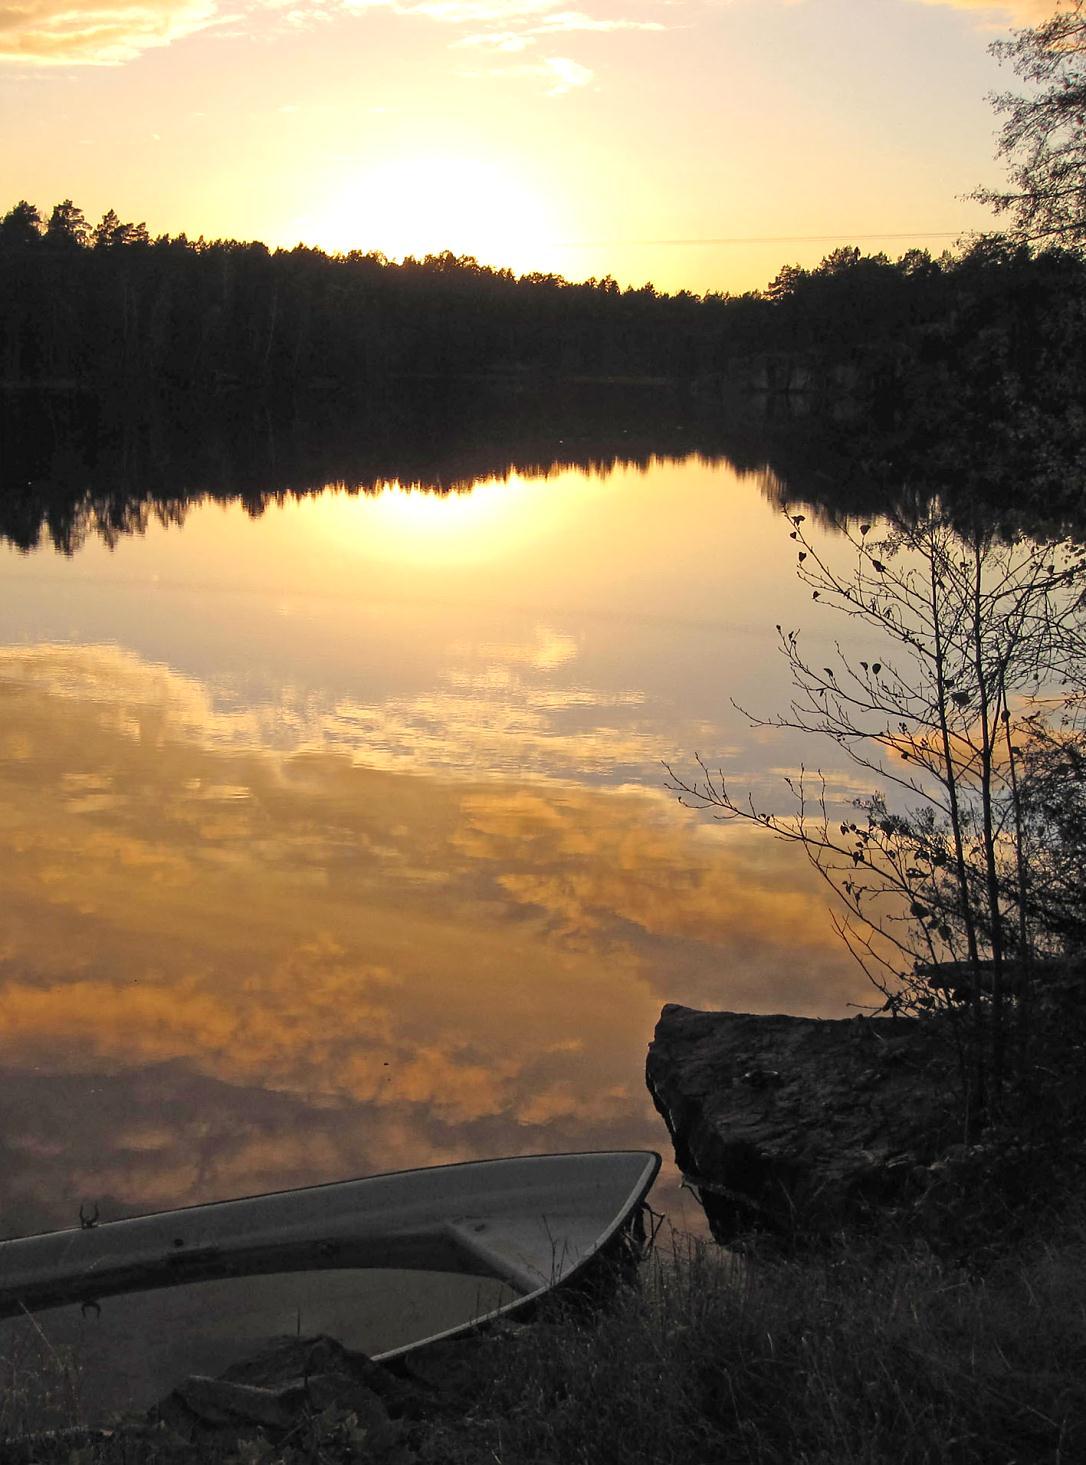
<point>1022,12</point>
<point>493,709</point>
<point>576,20</point>
<point>565,75</point>
<point>508,42</point>
<point>236,955</point>
<point>546,650</point>
<point>475,12</point>
<point>97,32</point>
<point>560,74</point>
<point>535,20</point>
<point>214,944</point>
<point>109,32</point>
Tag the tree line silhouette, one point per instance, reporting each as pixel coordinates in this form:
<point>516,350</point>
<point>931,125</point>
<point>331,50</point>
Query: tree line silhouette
<point>109,307</point>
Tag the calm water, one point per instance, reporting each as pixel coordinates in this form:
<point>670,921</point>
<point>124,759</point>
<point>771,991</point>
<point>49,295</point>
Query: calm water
<point>336,839</point>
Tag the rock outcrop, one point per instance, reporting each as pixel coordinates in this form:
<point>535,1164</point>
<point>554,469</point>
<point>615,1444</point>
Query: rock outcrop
<point>306,1399</point>
<point>797,1126</point>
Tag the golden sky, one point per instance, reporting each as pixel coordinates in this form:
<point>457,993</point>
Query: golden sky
<point>698,143</point>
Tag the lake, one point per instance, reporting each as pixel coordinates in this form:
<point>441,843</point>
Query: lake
<point>337,837</point>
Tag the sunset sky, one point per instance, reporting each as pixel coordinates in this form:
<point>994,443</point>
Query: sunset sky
<point>697,143</point>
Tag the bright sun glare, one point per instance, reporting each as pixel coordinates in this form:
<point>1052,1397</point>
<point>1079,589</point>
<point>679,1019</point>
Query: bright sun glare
<point>399,526</point>
<point>424,205</point>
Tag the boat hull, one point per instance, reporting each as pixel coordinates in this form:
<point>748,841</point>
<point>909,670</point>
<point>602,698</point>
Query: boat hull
<point>383,1264</point>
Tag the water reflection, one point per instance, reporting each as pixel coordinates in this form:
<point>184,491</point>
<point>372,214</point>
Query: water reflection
<point>230,965</point>
<point>337,837</point>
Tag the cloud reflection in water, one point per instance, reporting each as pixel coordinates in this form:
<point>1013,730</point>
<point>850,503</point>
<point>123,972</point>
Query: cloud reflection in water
<point>230,965</point>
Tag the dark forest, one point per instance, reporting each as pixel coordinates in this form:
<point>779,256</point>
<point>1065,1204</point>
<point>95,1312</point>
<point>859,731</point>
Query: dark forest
<point>109,307</point>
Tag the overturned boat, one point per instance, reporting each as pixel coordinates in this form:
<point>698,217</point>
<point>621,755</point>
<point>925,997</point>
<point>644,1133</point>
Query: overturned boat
<point>383,1264</point>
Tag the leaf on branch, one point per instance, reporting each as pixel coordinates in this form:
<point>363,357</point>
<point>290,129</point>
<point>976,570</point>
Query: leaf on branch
<point>865,528</point>
<point>876,667</point>
<point>960,699</point>
<point>878,565</point>
<point>814,595</point>
<point>802,555</point>
<point>794,534</point>
<point>798,518</point>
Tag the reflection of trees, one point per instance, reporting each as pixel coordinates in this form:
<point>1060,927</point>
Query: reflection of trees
<point>71,469</point>
<point>1032,480</point>
<point>981,412</point>
<point>950,380</point>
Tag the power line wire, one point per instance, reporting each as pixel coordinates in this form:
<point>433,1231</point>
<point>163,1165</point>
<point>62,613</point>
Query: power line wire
<point>760,239</point>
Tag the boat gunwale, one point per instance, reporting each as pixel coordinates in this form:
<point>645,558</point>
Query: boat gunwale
<point>633,1200</point>
<point>329,1185</point>
<point>218,1262</point>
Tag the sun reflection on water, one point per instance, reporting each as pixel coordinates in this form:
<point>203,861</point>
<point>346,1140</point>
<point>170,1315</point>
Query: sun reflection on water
<point>413,527</point>
<point>392,879</point>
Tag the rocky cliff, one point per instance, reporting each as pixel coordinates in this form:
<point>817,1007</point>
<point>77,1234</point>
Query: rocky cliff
<point>798,1126</point>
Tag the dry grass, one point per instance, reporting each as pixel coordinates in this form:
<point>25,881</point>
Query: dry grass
<point>40,1386</point>
<point>847,1358</point>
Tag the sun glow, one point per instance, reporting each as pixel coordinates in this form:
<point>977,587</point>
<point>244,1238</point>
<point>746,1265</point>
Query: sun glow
<point>425,205</point>
<point>408,527</point>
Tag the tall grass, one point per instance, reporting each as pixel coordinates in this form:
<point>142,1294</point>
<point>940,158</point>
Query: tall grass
<point>40,1384</point>
<point>850,1357</point>
<point>844,1360</point>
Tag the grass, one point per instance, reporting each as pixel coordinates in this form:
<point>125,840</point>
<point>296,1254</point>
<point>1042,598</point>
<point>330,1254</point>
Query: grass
<point>851,1357</point>
<point>39,1385</point>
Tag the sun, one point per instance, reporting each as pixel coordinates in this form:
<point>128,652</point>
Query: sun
<point>427,204</point>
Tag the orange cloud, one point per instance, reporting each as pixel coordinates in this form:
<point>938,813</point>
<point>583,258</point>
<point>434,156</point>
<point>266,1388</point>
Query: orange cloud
<point>110,32</point>
<point>212,946</point>
<point>742,916</point>
<point>1022,12</point>
<point>98,32</point>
